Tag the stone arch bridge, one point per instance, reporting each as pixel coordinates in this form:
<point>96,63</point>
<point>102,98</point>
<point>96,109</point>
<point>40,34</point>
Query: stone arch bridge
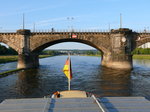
<point>116,46</point>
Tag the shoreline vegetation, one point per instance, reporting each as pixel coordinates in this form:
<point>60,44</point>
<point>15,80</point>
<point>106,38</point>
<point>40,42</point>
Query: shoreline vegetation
<point>6,59</point>
<point>6,73</point>
<point>135,56</point>
<point>141,56</point>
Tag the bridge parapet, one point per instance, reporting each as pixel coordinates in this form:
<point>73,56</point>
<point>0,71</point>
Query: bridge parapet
<point>7,33</point>
<point>74,30</point>
<point>121,30</point>
<point>144,34</point>
<point>70,33</point>
<point>24,32</point>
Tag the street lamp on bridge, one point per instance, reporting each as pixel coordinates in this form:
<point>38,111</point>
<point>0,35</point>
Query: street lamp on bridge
<point>70,19</point>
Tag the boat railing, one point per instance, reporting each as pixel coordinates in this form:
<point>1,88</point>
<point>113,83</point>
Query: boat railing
<point>99,105</point>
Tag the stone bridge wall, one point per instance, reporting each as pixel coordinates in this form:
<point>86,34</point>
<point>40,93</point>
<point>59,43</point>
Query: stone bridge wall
<point>13,40</point>
<point>40,41</point>
<point>116,45</point>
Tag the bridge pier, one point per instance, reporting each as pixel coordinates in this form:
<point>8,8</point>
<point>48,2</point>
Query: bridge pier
<point>120,56</point>
<point>117,61</point>
<point>28,61</point>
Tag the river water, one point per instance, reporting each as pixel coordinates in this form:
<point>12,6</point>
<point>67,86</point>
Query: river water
<point>88,75</point>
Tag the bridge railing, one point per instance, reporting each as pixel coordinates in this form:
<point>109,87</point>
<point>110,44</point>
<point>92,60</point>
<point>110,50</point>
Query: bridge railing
<point>58,30</point>
<point>67,30</point>
<point>142,31</point>
<point>70,30</point>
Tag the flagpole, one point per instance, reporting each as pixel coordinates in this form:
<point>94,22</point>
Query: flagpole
<point>68,84</point>
<point>69,73</point>
<point>23,21</point>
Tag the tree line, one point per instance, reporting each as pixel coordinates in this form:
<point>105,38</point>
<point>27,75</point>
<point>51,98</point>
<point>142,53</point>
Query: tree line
<point>141,51</point>
<point>71,52</point>
<point>7,50</point>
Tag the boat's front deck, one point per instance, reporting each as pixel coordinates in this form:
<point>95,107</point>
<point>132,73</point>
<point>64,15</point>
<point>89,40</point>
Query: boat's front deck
<point>109,104</point>
<point>73,94</point>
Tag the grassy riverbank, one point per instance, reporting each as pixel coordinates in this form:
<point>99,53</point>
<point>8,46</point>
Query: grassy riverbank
<point>6,73</point>
<point>5,59</point>
<point>141,56</point>
<point>134,56</point>
<point>90,55</point>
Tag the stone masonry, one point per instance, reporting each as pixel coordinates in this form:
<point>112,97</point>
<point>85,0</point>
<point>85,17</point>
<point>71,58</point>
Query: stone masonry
<point>116,46</point>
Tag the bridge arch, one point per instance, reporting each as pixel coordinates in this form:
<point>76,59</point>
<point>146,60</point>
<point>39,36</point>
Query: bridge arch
<point>12,40</point>
<point>10,45</point>
<point>142,41</point>
<point>94,45</point>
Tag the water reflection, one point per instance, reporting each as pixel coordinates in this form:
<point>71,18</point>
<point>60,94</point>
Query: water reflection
<point>115,82</point>
<point>27,82</point>
<point>8,66</point>
<point>88,75</point>
<point>143,62</point>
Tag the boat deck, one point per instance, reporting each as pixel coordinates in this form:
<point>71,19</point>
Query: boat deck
<point>109,104</point>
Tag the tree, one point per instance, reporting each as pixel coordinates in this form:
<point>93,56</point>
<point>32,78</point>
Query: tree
<point>7,51</point>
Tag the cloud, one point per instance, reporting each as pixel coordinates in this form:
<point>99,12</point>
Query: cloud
<point>53,20</point>
<point>31,10</point>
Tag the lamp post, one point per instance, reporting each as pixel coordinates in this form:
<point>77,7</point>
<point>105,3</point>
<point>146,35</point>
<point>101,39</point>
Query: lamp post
<point>33,27</point>
<point>120,20</point>
<point>109,27</point>
<point>70,19</point>
<point>23,21</point>
<point>146,29</point>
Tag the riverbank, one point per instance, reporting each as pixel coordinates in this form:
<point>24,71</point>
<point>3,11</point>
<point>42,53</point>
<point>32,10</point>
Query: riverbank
<point>141,56</point>
<point>5,59</point>
<point>6,73</point>
<point>90,55</point>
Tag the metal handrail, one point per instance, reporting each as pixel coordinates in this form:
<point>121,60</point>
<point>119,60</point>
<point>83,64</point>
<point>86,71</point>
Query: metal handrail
<point>99,105</point>
<point>46,105</point>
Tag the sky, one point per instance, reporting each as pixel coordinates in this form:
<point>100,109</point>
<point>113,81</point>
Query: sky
<point>76,14</point>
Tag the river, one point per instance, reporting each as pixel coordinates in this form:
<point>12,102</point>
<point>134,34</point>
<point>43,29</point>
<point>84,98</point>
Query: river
<point>88,75</point>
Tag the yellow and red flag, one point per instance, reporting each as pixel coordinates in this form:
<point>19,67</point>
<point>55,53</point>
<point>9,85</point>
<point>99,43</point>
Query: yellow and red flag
<point>67,69</point>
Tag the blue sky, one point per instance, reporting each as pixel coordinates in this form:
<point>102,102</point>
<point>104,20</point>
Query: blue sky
<point>86,14</point>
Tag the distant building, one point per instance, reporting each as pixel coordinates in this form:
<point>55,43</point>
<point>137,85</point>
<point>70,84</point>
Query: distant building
<point>147,45</point>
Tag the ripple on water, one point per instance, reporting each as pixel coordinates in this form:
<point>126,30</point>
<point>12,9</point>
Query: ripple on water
<point>88,75</point>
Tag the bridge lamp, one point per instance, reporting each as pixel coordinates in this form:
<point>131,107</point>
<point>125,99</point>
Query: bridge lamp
<point>138,38</point>
<point>70,19</point>
<point>123,39</point>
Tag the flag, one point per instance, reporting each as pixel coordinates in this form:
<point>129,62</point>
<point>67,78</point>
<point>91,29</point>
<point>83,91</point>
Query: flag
<point>67,69</point>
